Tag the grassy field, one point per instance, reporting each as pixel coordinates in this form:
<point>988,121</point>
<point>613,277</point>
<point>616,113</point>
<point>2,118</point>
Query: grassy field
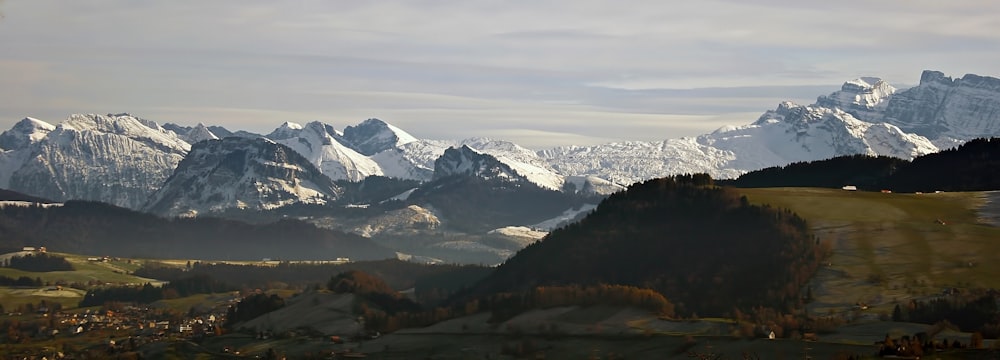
<point>117,272</point>
<point>892,247</point>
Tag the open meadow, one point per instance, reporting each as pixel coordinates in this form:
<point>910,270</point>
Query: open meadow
<point>890,247</point>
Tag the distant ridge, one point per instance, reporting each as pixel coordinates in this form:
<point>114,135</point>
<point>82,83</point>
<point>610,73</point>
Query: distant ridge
<point>10,195</point>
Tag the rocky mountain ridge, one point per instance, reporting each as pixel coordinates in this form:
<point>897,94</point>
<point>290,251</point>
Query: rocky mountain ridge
<point>123,159</point>
<point>241,173</point>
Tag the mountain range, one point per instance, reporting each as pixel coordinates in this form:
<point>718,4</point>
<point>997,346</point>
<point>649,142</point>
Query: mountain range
<point>172,170</point>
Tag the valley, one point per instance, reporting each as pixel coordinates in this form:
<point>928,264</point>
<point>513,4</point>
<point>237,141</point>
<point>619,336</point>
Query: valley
<point>887,249</point>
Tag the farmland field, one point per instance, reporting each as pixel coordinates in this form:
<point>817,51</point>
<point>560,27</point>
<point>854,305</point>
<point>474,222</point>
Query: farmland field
<point>892,247</point>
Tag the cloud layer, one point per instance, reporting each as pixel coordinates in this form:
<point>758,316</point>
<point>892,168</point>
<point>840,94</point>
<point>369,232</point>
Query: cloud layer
<point>541,73</point>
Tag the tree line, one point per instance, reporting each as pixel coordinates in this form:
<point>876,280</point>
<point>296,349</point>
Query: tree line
<point>41,262</point>
<point>147,293</point>
<point>973,166</point>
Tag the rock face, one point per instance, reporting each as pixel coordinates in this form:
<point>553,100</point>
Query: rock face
<point>947,111</point>
<point>319,144</point>
<point>374,136</point>
<point>26,132</point>
<point>468,162</point>
<point>241,173</point>
<point>119,159</point>
<point>864,98</point>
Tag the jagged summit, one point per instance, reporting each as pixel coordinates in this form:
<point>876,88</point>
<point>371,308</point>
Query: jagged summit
<point>863,97</point>
<point>947,111</point>
<point>468,162</point>
<point>199,133</point>
<point>287,130</point>
<point>25,132</point>
<point>241,173</point>
<point>373,136</point>
<point>319,143</point>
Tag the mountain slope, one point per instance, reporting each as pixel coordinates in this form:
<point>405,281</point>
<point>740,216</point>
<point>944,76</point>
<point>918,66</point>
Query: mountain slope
<point>476,193</point>
<point>845,122</point>
<point>318,142</point>
<point>120,159</point>
<point>241,173</point>
<point>797,133</point>
<point>947,111</point>
<point>373,136</point>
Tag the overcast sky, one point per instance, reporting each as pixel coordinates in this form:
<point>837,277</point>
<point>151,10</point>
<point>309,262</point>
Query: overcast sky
<point>541,73</point>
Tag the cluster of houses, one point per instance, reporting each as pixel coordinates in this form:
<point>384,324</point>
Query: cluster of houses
<point>140,323</point>
<point>39,249</point>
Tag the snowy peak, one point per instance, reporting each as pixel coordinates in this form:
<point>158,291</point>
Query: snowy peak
<point>317,142</point>
<point>199,133</point>
<point>26,132</point>
<point>525,162</point>
<point>285,131</point>
<point>863,97</point>
<point>465,161</point>
<point>241,173</point>
<point>373,136</point>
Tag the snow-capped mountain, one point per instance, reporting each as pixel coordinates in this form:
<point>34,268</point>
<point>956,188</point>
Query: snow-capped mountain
<point>199,132</point>
<point>373,136</point>
<point>864,98</point>
<point>947,111</point>
<point>26,132</point>
<point>318,142</point>
<point>122,159</point>
<point>793,133</point>
<point>241,173</point>
<point>466,161</point>
<point>15,146</point>
<point>866,116</point>
<point>119,159</point>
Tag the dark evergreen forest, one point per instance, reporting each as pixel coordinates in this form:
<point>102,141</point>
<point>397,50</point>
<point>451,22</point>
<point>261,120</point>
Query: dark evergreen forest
<point>703,247</point>
<point>974,166</point>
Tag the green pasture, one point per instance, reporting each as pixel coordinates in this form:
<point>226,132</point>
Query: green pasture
<point>892,247</point>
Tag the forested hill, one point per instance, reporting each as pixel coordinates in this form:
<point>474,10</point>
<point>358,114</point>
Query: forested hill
<point>974,166</point>
<point>865,172</point>
<point>100,229</point>
<point>703,247</point>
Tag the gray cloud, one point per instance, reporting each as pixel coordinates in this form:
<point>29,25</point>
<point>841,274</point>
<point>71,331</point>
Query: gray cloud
<point>541,72</point>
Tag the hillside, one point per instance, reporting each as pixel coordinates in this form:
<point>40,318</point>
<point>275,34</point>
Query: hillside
<point>96,228</point>
<point>894,247</point>
<point>701,246</point>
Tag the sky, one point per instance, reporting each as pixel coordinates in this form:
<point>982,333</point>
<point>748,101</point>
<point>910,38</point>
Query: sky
<point>541,73</point>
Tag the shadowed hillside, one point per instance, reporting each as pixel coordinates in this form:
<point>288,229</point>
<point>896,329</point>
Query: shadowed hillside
<point>101,229</point>
<point>703,247</point>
